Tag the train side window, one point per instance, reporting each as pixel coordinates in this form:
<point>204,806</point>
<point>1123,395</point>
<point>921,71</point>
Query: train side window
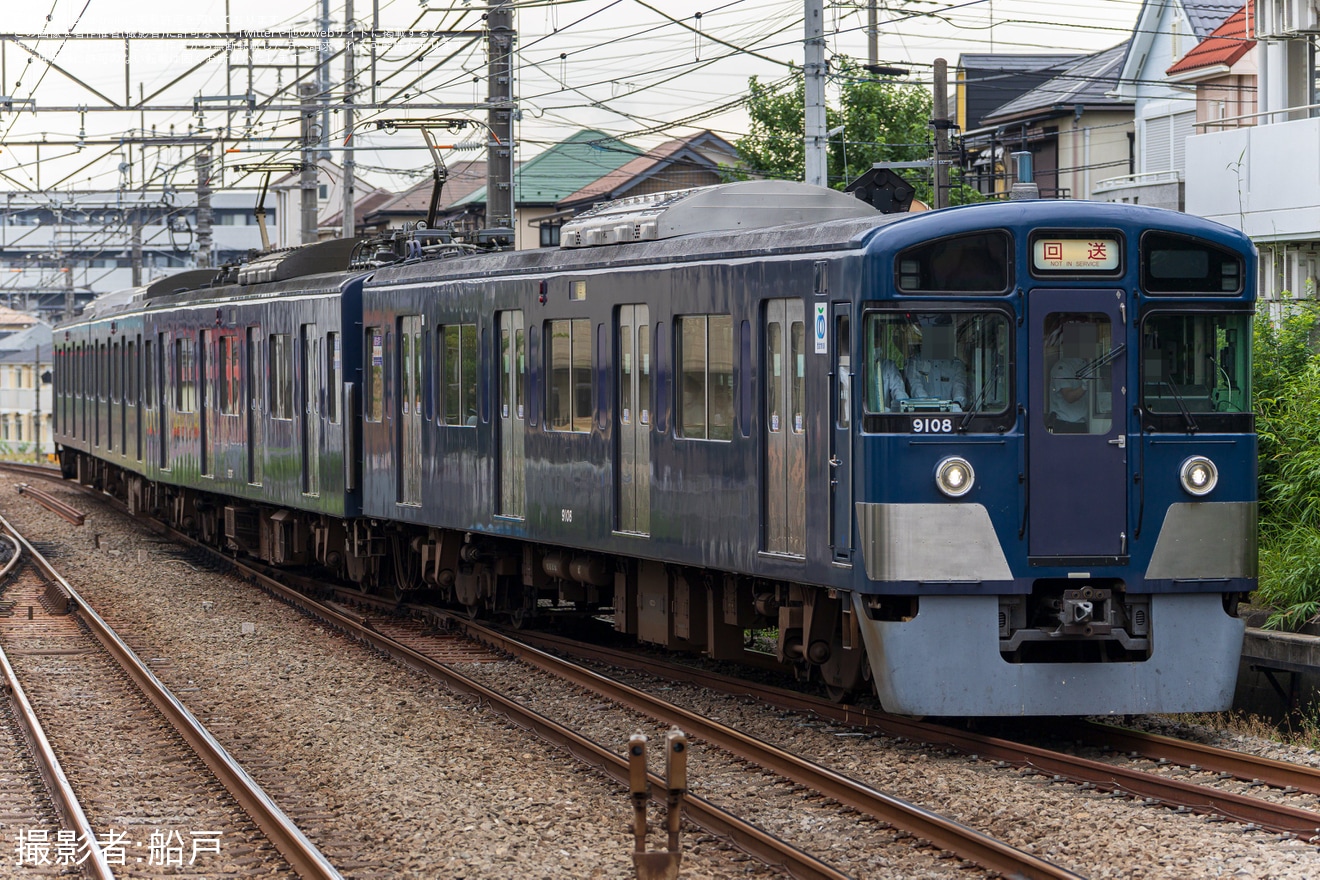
<point>333,376</point>
<point>705,354</point>
<point>568,360</point>
<point>185,380</point>
<point>375,403</point>
<point>148,374</point>
<point>281,376</point>
<point>1173,263</point>
<point>458,373</point>
<point>976,263</point>
<point>229,376</point>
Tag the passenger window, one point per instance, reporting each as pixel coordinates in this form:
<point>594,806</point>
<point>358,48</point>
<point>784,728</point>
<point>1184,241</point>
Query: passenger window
<point>568,356</point>
<point>375,374</point>
<point>458,373</point>
<point>705,356</point>
<point>185,388</point>
<point>333,374</point>
<point>281,376</point>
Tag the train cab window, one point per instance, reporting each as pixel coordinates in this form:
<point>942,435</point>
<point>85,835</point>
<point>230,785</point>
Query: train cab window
<point>977,263</point>
<point>705,356</point>
<point>936,362</point>
<point>1079,373</point>
<point>280,354</point>
<point>569,389</point>
<point>1194,369</point>
<point>1182,264</point>
<point>458,373</point>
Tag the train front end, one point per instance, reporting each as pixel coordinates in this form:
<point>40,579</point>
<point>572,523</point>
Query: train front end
<point>1055,476</point>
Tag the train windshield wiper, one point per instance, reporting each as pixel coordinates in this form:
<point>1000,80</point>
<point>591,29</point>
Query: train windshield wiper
<point>1089,370</point>
<point>1182,407</point>
<point>979,400</point>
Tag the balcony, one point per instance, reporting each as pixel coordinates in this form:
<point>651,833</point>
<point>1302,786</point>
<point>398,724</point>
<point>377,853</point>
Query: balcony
<point>1263,180</point>
<point>1156,189</point>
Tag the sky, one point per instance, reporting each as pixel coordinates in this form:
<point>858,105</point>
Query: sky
<point>641,70</point>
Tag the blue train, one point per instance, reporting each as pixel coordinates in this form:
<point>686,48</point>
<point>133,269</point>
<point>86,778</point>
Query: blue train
<point>991,460</point>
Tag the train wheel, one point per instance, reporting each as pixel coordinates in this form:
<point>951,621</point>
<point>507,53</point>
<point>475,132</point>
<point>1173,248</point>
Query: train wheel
<point>838,694</point>
<point>473,611</point>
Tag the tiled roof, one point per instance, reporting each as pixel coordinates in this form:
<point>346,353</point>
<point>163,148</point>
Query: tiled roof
<point>1087,82</point>
<point>563,169</point>
<point>1207,15</point>
<point>1225,45</point>
<point>671,153</point>
<point>464,178</point>
<point>361,208</point>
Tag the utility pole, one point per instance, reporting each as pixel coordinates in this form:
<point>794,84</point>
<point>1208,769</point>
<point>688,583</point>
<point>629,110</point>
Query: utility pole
<point>307,180</point>
<point>204,208</point>
<point>872,34</point>
<point>36,387</point>
<point>941,126</point>
<point>350,87</point>
<point>813,70</point>
<point>499,149</point>
<point>323,81</point>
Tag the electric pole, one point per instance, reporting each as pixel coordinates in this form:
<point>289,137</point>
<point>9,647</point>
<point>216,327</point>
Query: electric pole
<point>813,70</point>
<point>350,87</point>
<point>941,125</point>
<point>499,149</point>
<point>307,180</point>
<point>872,34</point>
<point>204,208</point>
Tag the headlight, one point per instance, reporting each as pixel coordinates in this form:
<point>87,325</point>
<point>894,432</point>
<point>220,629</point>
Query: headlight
<point>1199,475</point>
<point>954,476</point>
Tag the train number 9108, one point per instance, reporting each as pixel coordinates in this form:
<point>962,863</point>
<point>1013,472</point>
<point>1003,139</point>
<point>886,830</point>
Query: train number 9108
<point>932,425</point>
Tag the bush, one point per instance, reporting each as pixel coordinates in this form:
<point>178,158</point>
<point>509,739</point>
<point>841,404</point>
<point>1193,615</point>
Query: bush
<point>1286,388</point>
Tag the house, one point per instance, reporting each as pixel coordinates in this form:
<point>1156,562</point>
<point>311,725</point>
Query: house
<point>410,207</point>
<point>1165,111</point>
<point>542,181</point>
<point>1074,126</point>
<point>286,193</point>
<point>696,160</point>
<point>1264,179</point>
<point>25,390</point>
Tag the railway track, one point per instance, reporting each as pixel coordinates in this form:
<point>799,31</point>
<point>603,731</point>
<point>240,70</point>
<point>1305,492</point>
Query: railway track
<point>1107,776</point>
<point>376,617</point>
<point>154,790</point>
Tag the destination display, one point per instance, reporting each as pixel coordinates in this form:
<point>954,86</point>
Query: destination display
<point>1076,256</point>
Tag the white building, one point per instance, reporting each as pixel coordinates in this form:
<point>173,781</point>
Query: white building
<point>1265,178</point>
<point>25,392</point>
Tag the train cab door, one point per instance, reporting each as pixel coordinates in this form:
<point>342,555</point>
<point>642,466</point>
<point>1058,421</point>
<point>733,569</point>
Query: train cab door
<point>311,410</point>
<point>841,512</point>
<point>256,377</point>
<point>1077,428</point>
<point>784,428</point>
<point>512,403</point>
<point>632,479</point>
<point>410,409</point>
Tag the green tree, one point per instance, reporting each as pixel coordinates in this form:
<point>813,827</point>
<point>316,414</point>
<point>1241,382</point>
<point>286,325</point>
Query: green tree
<point>881,121</point>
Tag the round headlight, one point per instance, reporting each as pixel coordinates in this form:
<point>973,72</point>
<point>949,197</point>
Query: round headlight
<point>954,476</point>
<point>1199,475</point>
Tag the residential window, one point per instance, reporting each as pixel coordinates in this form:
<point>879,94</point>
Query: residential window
<point>706,354</point>
<point>458,373</point>
<point>568,353</point>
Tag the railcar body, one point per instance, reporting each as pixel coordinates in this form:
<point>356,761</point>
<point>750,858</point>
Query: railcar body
<point>994,460</point>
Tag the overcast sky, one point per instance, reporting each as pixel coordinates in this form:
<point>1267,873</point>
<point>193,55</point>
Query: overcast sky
<point>625,67</point>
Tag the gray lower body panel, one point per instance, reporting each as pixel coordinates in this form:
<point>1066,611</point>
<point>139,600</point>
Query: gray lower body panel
<point>946,661</point>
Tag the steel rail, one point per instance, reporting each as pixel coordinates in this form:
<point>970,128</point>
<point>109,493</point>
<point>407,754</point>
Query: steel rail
<point>748,837</point>
<point>64,511</point>
<point>301,853</point>
<point>1247,767</point>
<point>961,840</point>
<point>1191,796</point>
<point>52,773</point>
